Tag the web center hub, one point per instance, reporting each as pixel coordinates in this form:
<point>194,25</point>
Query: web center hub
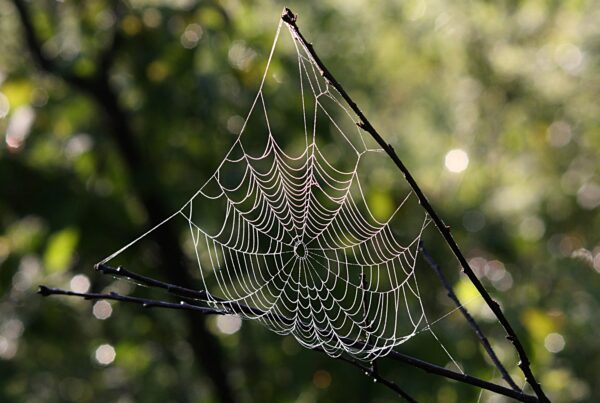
<point>300,250</point>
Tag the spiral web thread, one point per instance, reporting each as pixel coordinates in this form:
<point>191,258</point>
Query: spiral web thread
<point>296,240</point>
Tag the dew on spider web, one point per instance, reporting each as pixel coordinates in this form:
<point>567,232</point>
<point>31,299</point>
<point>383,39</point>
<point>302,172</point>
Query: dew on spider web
<point>284,225</point>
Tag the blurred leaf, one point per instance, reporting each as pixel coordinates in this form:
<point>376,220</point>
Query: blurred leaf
<point>60,249</point>
<point>18,92</point>
<point>538,324</point>
<point>381,204</point>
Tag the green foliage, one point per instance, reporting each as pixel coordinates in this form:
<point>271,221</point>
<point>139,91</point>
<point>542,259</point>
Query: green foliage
<point>514,84</point>
<point>60,249</point>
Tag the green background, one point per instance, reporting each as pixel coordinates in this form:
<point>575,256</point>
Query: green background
<point>515,84</point>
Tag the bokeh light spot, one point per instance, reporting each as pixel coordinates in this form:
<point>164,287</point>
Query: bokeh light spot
<point>235,124</point>
<point>456,160</point>
<point>105,354</point>
<point>241,56</point>
<point>569,57</point>
<point>102,310</point>
<point>532,228</point>
<point>597,262</point>
<point>559,134</point>
<point>190,37</point>
<point>4,105</point>
<point>322,379</point>
<point>588,195</point>
<point>554,342</point>
<point>80,283</point>
<point>229,324</point>
<point>8,348</point>
<point>131,25</point>
<point>78,144</point>
<point>151,17</point>
<point>157,71</point>
<point>473,220</point>
<point>19,126</point>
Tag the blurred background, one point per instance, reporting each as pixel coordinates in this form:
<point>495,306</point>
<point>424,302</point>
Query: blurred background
<point>112,113</point>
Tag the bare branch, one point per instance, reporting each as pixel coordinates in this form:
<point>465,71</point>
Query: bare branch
<point>290,19</point>
<point>376,376</point>
<point>188,293</point>
<point>244,309</point>
<point>452,295</point>
<point>146,303</point>
<point>231,309</point>
<point>182,305</point>
<point>464,378</point>
<point>150,282</point>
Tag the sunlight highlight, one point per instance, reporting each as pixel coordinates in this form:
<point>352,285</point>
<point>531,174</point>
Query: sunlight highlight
<point>102,310</point>
<point>80,283</point>
<point>554,342</point>
<point>229,324</point>
<point>105,354</point>
<point>456,160</point>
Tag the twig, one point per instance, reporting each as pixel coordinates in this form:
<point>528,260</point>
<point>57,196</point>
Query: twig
<point>290,19</point>
<point>188,293</point>
<point>146,303</point>
<point>376,376</point>
<point>203,296</point>
<point>463,378</point>
<point>182,305</point>
<point>394,355</point>
<point>150,282</point>
<point>452,295</point>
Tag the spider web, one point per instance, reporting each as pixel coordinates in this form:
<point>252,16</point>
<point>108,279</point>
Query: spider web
<point>283,226</point>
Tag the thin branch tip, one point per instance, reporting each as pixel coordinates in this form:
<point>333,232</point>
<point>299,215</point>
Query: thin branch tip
<point>44,291</point>
<point>288,16</point>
